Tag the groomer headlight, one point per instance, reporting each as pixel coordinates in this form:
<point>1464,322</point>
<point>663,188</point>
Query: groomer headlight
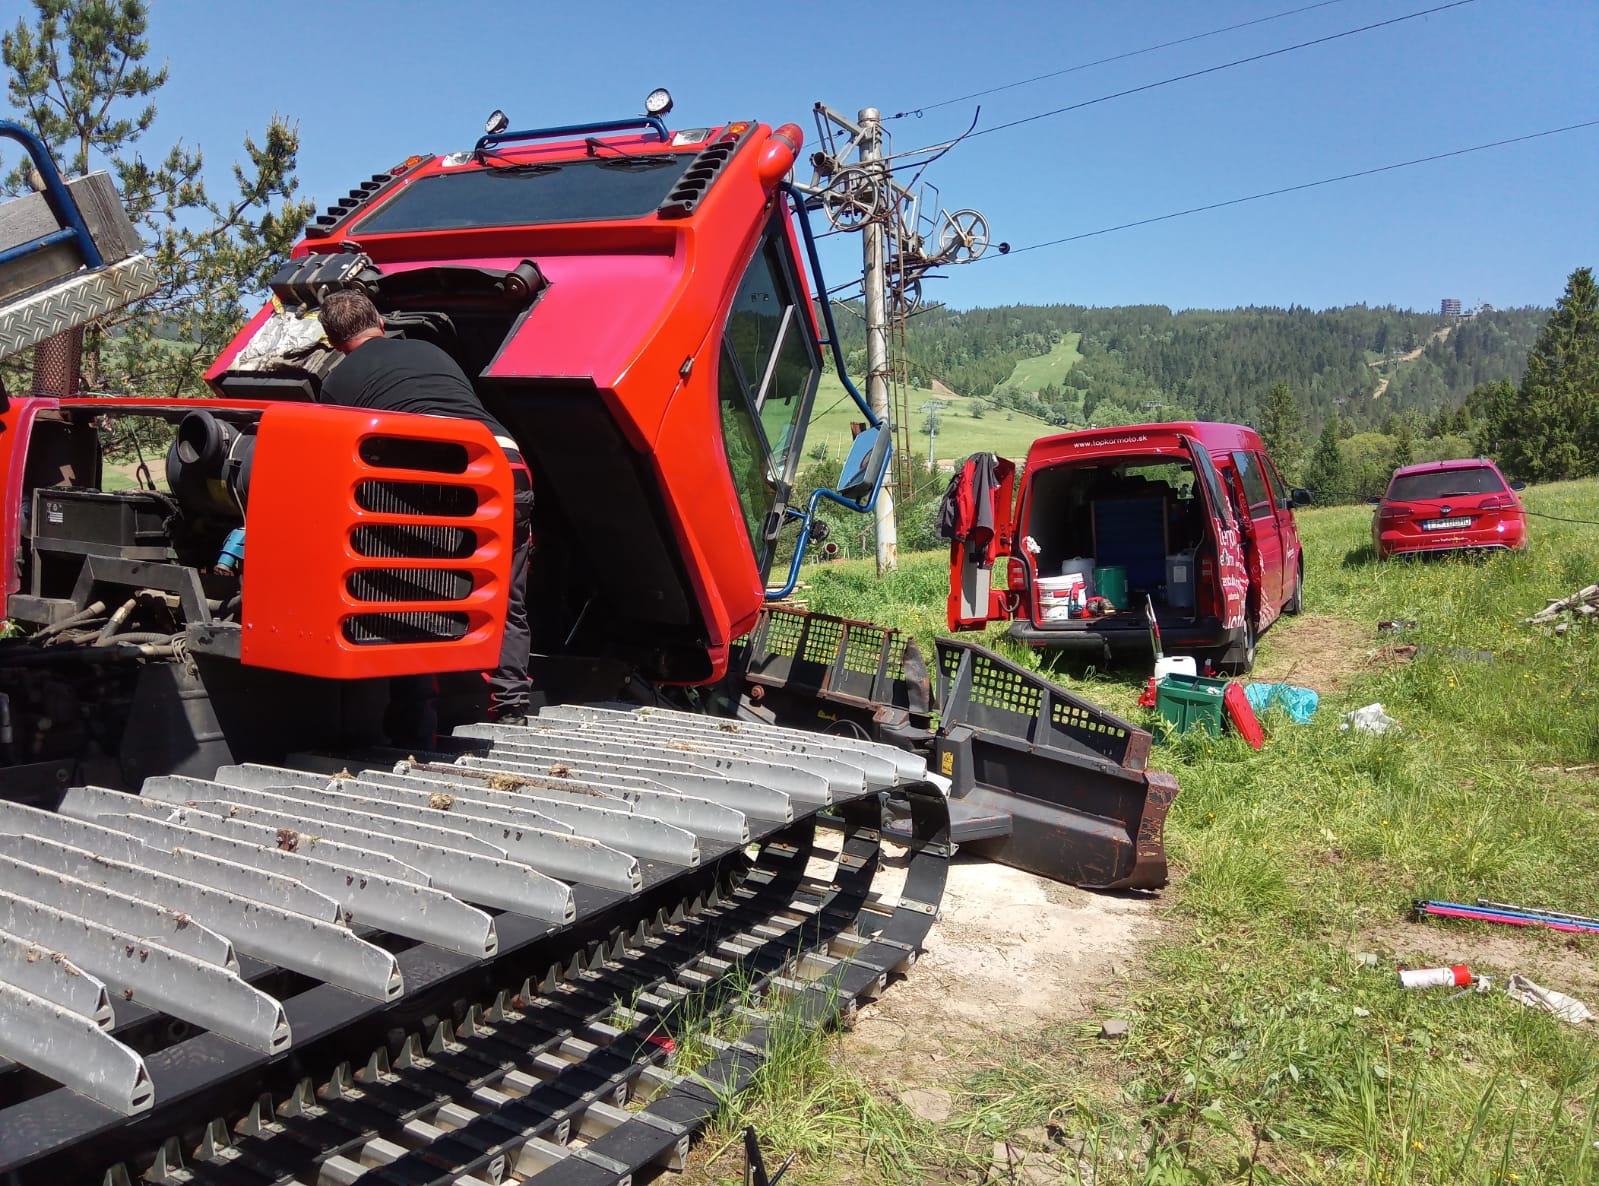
<point>496,123</point>
<point>658,102</point>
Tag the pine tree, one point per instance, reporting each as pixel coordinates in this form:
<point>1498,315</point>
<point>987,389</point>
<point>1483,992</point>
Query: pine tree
<point>1327,475</point>
<point>1496,419</point>
<point>1280,425</point>
<point>72,76</point>
<point>1552,432</point>
<point>1403,453</point>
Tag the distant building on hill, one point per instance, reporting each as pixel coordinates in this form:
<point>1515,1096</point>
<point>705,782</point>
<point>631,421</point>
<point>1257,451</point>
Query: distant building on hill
<point>1449,307</point>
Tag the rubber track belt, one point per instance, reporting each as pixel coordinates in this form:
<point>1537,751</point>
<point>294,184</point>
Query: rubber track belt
<point>499,1094</point>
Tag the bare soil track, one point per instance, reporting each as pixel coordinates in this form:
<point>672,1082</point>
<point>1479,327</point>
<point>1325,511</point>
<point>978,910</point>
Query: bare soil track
<point>1314,651</point>
<point>1011,955</point>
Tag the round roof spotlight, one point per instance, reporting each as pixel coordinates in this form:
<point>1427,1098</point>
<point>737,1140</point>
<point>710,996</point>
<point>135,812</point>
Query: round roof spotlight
<point>658,102</point>
<point>496,123</point>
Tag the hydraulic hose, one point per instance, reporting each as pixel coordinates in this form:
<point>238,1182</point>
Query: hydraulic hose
<point>94,610</point>
<point>133,638</point>
<point>117,620</point>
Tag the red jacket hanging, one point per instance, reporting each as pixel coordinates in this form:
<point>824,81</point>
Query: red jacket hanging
<point>971,505</point>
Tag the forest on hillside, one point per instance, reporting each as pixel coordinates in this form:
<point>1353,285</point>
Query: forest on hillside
<point>1219,364</point>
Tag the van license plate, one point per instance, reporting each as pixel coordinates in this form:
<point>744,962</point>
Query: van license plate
<point>1445,524</point>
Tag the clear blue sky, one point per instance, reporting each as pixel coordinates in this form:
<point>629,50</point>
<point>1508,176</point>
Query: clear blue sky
<point>371,81</point>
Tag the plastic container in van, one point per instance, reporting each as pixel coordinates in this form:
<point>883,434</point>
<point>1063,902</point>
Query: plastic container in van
<point>1081,566</point>
<point>1111,582</point>
<point>1180,580</point>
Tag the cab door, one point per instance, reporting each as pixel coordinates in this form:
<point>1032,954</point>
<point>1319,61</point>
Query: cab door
<point>977,516</point>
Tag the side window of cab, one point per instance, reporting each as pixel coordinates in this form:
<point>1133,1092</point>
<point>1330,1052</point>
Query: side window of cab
<point>769,366</point>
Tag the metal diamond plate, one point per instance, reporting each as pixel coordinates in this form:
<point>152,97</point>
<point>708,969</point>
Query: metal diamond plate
<point>74,302</point>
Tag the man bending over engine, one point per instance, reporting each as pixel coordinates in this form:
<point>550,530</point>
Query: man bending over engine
<point>404,375</point>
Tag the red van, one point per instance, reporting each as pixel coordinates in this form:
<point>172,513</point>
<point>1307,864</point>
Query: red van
<point>1192,519</point>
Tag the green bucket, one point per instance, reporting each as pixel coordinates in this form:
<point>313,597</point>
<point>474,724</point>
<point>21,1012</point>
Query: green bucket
<point>1111,584</point>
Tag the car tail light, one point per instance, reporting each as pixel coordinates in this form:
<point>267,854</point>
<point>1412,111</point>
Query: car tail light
<point>1016,574</point>
<point>1499,502</point>
<point>1391,510</point>
<point>1205,596</point>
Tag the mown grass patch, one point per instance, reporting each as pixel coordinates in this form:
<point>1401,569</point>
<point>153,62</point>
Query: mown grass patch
<point>1262,1049</point>
<point>1034,373</point>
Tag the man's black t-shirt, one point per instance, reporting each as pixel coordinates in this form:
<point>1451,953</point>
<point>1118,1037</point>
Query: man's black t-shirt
<point>405,375</point>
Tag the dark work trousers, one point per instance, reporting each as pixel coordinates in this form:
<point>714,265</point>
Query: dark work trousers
<point>412,717</point>
<point>510,690</point>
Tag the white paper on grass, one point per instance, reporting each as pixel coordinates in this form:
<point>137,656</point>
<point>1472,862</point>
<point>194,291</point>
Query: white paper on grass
<point>1371,719</point>
<point>1535,996</point>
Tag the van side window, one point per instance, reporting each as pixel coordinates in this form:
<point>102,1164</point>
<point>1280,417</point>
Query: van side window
<point>1279,493</point>
<point>1207,468</point>
<point>1255,491</point>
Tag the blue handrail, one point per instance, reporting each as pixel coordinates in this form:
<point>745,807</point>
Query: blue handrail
<point>495,139</point>
<point>56,194</point>
<point>865,504</point>
<point>798,197</point>
<point>817,495</point>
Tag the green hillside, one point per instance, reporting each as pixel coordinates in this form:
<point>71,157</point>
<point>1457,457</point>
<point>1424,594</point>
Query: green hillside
<point>960,432</point>
<point>1068,364</point>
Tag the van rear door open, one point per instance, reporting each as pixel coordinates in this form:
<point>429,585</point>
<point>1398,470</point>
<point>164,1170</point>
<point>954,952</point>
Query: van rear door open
<point>977,517</point>
<point>984,524</point>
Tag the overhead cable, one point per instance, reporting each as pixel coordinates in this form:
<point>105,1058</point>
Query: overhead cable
<point>1132,53</point>
<point>1260,57</point>
<point>1289,189</point>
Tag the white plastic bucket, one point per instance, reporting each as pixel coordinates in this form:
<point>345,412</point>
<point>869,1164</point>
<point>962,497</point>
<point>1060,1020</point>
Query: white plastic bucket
<point>1058,596</point>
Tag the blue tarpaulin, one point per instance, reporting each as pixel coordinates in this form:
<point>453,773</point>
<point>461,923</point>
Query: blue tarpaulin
<point>1298,703</point>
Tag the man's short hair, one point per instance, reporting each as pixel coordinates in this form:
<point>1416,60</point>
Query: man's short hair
<point>348,312</point>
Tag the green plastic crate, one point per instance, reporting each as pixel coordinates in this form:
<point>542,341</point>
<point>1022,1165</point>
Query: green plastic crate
<point>1188,701</point>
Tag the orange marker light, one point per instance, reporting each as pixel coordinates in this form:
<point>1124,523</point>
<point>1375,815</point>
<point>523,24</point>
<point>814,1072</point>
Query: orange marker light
<point>778,153</point>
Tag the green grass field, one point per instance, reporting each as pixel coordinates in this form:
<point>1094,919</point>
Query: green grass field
<point>1046,370</point>
<point>1262,1049</point>
<point>960,434</point>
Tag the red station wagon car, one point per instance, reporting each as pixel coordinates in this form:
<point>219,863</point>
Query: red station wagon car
<point>1189,518</point>
<point>1449,506</point>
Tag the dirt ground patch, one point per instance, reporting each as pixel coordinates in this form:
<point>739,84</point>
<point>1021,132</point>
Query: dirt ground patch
<point>1314,651</point>
<point>1011,954</point>
<point>1554,960</point>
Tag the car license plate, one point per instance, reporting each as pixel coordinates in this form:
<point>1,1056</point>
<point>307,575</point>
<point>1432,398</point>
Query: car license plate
<point>1445,524</point>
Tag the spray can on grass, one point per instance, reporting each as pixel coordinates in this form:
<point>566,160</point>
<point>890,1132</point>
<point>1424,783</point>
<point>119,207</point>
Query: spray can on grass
<point>1458,976</point>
